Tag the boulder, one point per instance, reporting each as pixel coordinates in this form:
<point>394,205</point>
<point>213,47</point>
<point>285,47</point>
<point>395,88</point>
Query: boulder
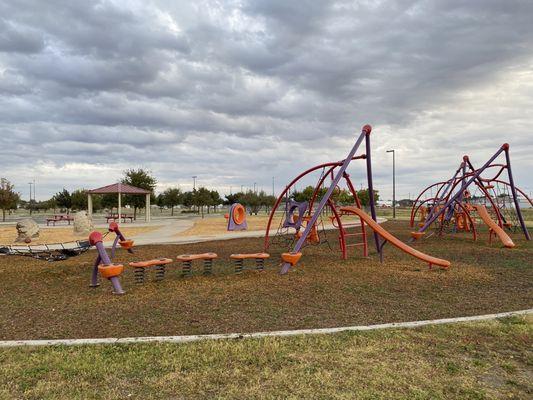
<point>27,229</point>
<point>83,224</point>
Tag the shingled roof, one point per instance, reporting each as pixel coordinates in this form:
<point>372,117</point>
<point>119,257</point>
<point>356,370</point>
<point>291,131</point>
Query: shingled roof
<point>119,188</point>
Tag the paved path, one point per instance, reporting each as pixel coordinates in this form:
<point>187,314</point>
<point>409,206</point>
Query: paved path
<point>169,233</point>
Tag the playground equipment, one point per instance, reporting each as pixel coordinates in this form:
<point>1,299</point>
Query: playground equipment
<point>187,259</point>
<point>103,264</point>
<point>237,218</point>
<point>141,266</point>
<point>48,252</point>
<point>258,257</point>
<point>451,206</point>
<point>303,222</point>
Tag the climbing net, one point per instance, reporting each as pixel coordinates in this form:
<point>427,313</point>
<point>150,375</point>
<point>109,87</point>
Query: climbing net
<point>47,252</point>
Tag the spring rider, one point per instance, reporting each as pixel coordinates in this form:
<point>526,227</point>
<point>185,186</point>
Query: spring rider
<point>103,263</point>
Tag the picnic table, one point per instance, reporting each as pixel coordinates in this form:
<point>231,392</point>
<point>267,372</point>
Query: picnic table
<point>115,217</point>
<point>58,218</point>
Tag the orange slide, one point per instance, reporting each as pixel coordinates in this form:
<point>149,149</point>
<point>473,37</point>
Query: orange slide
<point>484,215</point>
<point>394,240</point>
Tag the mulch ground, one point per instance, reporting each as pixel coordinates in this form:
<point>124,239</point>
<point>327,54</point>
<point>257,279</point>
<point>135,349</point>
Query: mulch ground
<point>40,300</point>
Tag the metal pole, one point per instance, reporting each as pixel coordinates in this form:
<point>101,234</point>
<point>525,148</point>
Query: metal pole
<point>273,191</point>
<point>29,204</point>
<point>513,191</point>
<point>194,182</point>
<point>365,132</point>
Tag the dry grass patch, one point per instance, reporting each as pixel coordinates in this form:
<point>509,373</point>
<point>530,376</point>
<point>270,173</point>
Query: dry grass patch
<point>217,225</point>
<point>52,300</point>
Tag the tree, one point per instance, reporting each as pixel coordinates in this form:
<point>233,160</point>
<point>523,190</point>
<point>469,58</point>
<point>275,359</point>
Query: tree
<point>251,201</point>
<point>63,200</point>
<point>266,201</point>
<point>364,197</point>
<point>171,198</point>
<point>8,197</point>
<point>233,198</point>
<point>215,200</point>
<point>202,197</point>
<point>107,200</point>
<point>79,199</point>
<point>141,179</point>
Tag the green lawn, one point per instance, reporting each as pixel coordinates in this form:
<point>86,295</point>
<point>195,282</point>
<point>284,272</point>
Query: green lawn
<point>489,360</point>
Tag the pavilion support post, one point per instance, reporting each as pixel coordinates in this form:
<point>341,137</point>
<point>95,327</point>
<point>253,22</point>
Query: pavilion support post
<point>119,206</point>
<point>90,205</point>
<point>147,216</point>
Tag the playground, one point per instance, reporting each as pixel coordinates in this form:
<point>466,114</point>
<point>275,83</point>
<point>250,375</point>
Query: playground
<point>322,262</point>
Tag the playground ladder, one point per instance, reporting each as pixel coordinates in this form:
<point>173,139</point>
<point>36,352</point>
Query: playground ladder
<point>352,232</point>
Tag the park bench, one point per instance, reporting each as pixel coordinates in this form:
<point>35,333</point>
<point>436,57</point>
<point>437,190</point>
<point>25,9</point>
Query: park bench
<point>58,218</point>
<point>114,217</point>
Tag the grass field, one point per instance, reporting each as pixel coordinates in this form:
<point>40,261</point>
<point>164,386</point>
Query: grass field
<point>490,360</point>
<point>40,300</point>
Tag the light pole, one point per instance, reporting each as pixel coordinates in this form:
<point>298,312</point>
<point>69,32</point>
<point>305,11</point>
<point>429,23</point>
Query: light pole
<point>255,190</point>
<point>194,182</point>
<point>29,204</point>
<point>273,192</point>
<point>393,183</point>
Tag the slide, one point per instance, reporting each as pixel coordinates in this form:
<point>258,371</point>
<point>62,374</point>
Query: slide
<point>394,240</point>
<point>484,215</point>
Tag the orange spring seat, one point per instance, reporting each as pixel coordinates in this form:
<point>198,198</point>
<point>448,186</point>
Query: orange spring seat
<point>250,255</point>
<point>417,235</point>
<point>192,257</point>
<point>111,270</point>
<point>126,244</point>
<point>150,263</point>
<point>291,258</point>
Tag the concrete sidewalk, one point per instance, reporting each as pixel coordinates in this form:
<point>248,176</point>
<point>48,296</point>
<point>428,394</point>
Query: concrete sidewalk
<point>169,233</point>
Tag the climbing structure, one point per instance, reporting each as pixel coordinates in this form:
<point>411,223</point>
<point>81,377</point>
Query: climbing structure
<point>470,196</point>
<point>304,222</point>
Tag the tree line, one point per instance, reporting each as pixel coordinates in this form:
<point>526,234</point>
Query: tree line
<point>199,200</point>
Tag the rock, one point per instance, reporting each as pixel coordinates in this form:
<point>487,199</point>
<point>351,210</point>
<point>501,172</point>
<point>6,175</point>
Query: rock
<point>83,224</point>
<point>27,229</point>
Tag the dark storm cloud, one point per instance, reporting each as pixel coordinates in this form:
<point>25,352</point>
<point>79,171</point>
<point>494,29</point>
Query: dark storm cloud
<point>239,91</point>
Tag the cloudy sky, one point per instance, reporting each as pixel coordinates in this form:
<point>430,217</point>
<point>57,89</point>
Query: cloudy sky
<point>238,92</point>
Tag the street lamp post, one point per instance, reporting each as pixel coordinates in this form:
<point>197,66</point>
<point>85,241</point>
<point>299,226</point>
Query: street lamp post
<point>273,192</point>
<point>255,190</point>
<point>194,182</point>
<point>393,183</point>
<point>29,204</point>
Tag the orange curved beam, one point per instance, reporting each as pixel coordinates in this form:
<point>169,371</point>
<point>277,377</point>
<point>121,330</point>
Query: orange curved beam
<point>394,240</point>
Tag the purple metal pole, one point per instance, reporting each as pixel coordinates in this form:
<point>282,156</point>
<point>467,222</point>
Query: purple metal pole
<point>456,195</point>
<point>94,277</point>
<point>365,131</point>
<point>117,288</point>
<point>114,247</point>
<point>513,191</point>
<point>371,197</point>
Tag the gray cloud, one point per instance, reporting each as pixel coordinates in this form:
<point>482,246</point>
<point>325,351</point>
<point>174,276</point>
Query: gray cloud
<point>239,91</point>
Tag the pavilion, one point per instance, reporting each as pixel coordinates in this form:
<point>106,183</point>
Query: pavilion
<point>120,189</point>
